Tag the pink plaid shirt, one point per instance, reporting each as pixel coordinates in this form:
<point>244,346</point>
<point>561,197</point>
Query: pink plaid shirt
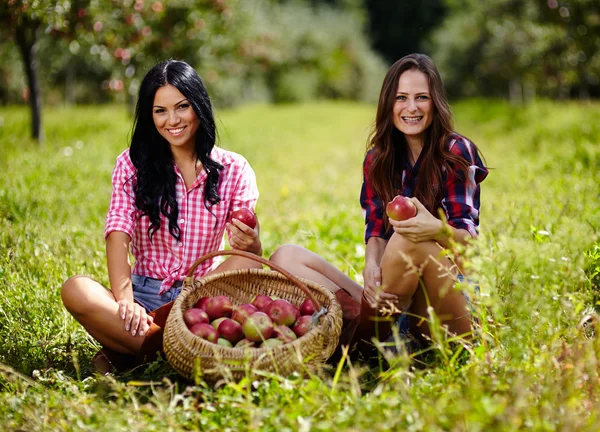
<point>201,232</point>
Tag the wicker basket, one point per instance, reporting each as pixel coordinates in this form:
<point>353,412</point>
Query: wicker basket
<point>194,357</point>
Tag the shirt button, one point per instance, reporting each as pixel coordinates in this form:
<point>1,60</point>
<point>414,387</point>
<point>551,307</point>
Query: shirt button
<point>179,244</point>
<point>181,221</point>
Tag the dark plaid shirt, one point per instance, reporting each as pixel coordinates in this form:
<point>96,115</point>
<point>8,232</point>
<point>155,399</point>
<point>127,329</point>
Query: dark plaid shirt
<point>460,199</point>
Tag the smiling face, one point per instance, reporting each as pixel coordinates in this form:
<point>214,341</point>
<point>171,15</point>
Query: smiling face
<point>175,118</point>
<point>413,108</point>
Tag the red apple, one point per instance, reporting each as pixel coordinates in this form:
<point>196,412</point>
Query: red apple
<point>205,331</point>
<point>224,342</point>
<point>401,208</point>
<point>284,333</point>
<point>261,302</point>
<point>245,216</point>
<point>271,343</point>
<point>302,325</point>
<point>241,312</point>
<point>231,330</point>
<point>258,327</point>
<point>219,306</point>
<point>217,322</point>
<point>307,307</point>
<point>282,312</point>
<point>194,316</point>
<point>202,303</point>
<point>245,343</point>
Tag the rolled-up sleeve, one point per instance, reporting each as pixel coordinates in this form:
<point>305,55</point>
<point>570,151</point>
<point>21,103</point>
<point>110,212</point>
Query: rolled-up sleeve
<point>122,210</point>
<point>245,194</point>
<point>461,201</point>
<point>372,205</point>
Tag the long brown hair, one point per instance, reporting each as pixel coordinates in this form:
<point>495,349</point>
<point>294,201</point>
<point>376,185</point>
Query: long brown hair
<point>391,148</point>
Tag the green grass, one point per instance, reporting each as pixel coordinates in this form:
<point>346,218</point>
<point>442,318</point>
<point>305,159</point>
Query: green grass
<point>537,262</point>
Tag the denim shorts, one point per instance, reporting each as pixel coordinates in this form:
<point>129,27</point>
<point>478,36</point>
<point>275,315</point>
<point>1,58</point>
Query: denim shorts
<point>145,292</point>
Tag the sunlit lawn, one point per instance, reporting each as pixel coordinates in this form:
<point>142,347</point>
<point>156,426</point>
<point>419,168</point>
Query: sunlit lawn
<point>535,263</point>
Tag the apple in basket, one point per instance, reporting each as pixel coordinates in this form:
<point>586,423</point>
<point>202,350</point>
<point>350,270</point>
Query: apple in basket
<point>284,333</point>
<point>195,316</point>
<point>245,216</point>
<point>282,312</point>
<point>245,343</point>
<point>302,325</point>
<point>230,330</point>
<point>261,302</point>
<point>307,307</point>
<point>271,343</point>
<point>401,208</point>
<point>217,322</point>
<point>219,306</point>
<point>241,312</point>
<point>201,304</point>
<point>205,331</point>
<point>258,327</point>
<point>224,342</point>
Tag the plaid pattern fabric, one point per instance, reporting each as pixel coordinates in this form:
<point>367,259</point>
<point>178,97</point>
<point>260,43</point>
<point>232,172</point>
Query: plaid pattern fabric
<point>460,200</point>
<point>201,232</point>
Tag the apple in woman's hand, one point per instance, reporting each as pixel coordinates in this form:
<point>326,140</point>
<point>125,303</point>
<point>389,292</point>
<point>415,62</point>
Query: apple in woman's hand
<point>245,216</point>
<point>401,208</point>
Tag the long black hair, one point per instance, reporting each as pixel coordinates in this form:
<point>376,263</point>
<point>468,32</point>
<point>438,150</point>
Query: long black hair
<point>151,155</point>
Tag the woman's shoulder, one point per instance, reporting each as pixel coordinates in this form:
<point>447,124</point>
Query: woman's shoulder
<point>227,157</point>
<point>123,161</point>
<point>369,156</point>
<point>460,145</point>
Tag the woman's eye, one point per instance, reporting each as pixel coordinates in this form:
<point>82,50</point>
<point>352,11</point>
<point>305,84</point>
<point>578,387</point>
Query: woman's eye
<point>184,106</point>
<point>422,97</point>
<point>400,98</point>
<point>159,111</point>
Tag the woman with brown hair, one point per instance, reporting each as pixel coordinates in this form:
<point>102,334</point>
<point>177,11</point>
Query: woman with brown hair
<point>414,152</point>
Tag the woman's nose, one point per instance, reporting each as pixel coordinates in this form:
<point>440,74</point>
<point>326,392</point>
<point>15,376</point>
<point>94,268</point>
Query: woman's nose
<point>173,118</point>
<point>412,106</point>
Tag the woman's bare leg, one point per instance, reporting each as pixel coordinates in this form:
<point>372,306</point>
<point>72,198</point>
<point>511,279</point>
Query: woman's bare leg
<point>235,263</point>
<point>308,265</point>
<point>97,310</point>
<point>95,307</point>
<point>410,268</point>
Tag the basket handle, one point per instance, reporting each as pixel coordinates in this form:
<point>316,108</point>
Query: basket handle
<point>261,260</point>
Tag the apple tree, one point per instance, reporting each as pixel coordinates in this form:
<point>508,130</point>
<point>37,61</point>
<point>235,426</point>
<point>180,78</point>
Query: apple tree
<point>25,22</point>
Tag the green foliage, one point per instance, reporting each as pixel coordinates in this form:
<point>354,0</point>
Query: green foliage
<point>252,50</point>
<point>519,48</point>
<point>536,263</point>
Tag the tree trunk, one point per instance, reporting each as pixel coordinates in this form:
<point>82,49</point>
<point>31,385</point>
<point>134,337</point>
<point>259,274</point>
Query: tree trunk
<point>515,91</point>
<point>26,36</point>
<point>70,90</point>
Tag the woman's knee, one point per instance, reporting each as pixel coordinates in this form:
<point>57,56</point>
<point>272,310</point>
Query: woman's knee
<point>401,250</point>
<point>288,254</point>
<point>73,293</point>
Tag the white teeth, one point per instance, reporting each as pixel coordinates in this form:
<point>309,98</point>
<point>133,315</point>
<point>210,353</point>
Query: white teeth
<point>175,131</point>
<point>412,119</point>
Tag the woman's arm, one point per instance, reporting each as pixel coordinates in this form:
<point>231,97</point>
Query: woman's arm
<point>245,195</point>
<point>133,315</point>
<point>373,291</point>
<point>119,266</point>
<point>424,227</point>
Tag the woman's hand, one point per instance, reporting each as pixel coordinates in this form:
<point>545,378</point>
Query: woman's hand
<point>245,238</point>
<point>423,227</point>
<point>137,321</point>
<point>373,293</point>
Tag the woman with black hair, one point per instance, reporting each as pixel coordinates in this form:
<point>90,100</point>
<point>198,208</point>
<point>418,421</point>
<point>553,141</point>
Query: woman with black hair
<point>172,199</point>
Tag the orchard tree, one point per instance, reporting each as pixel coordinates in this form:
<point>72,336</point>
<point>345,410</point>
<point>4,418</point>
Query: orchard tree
<point>26,21</point>
<point>519,47</point>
